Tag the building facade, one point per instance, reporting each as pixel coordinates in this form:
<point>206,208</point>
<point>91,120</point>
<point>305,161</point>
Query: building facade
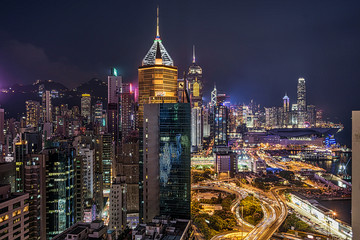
<point>60,184</point>
<point>86,107</point>
<point>301,102</point>
<point>166,170</point>
<point>14,217</point>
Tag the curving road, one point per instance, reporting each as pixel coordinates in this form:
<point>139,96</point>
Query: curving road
<point>273,205</point>
<point>275,212</point>
<point>243,226</point>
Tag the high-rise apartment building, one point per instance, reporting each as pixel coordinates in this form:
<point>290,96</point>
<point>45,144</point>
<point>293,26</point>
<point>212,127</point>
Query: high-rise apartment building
<point>34,141</point>
<point>99,114</point>
<point>235,118</point>
<point>47,107</point>
<point>117,209</point>
<point>196,128</point>
<point>87,155</point>
<point>98,175</point>
<point>128,166</point>
<point>301,102</point>
<point>35,186</point>
<point>311,115</point>
<point>21,150</point>
<point>166,169</point>
<point>114,86</point>
<point>127,110</point>
<point>14,214</point>
<point>7,174</point>
<point>32,113</point>
<point>114,90</point>
<point>86,107</point>
<point>79,188</point>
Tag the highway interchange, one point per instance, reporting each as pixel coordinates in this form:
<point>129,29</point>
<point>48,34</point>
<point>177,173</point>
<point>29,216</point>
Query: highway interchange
<point>273,205</point>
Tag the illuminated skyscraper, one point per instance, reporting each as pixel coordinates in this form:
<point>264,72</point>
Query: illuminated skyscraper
<point>221,128</point>
<point>35,186</point>
<point>194,78</point>
<point>157,76</point>
<point>98,174</point>
<point>150,57</point>
<point>286,111</point>
<point>114,90</point>
<point>98,111</point>
<point>311,115</point>
<point>128,166</point>
<point>21,150</point>
<point>114,86</point>
<point>32,113</point>
<point>166,160</point>
<point>157,84</point>
<point>117,209</point>
<point>60,182</point>
<point>47,108</point>
<point>127,110</point>
<point>107,160</point>
<point>196,129</point>
<point>286,106</point>
<point>214,96</point>
<point>301,102</point>
<point>14,214</point>
<point>86,107</point>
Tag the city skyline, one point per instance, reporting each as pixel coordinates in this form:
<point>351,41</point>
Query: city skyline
<point>210,147</point>
<point>253,43</point>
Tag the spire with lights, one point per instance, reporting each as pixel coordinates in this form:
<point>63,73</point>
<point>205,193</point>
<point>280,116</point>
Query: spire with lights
<point>150,57</point>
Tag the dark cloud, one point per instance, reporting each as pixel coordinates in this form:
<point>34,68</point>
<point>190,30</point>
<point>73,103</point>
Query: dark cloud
<point>24,63</point>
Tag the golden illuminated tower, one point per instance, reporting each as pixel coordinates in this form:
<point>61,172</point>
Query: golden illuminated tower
<point>157,84</point>
<point>157,76</point>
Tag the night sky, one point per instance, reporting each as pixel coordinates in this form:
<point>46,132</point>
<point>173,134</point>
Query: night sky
<point>251,49</point>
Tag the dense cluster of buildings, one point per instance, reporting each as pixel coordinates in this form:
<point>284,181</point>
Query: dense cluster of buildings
<point>91,170</point>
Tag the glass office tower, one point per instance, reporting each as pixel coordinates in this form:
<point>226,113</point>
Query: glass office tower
<point>174,160</point>
<point>167,134</point>
<point>60,182</point>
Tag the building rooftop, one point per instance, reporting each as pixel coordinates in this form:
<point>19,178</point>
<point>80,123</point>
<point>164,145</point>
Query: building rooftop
<point>169,229</point>
<point>97,226</point>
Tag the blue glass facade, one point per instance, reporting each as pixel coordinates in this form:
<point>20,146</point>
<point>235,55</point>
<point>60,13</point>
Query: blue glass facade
<point>60,193</point>
<point>174,159</point>
<point>221,129</point>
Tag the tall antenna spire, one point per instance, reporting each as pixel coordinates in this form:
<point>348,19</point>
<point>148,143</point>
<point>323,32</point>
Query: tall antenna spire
<point>193,53</point>
<point>157,24</point>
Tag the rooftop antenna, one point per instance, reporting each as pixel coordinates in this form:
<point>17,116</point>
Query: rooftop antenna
<point>157,23</point>
<point>193,53</point>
